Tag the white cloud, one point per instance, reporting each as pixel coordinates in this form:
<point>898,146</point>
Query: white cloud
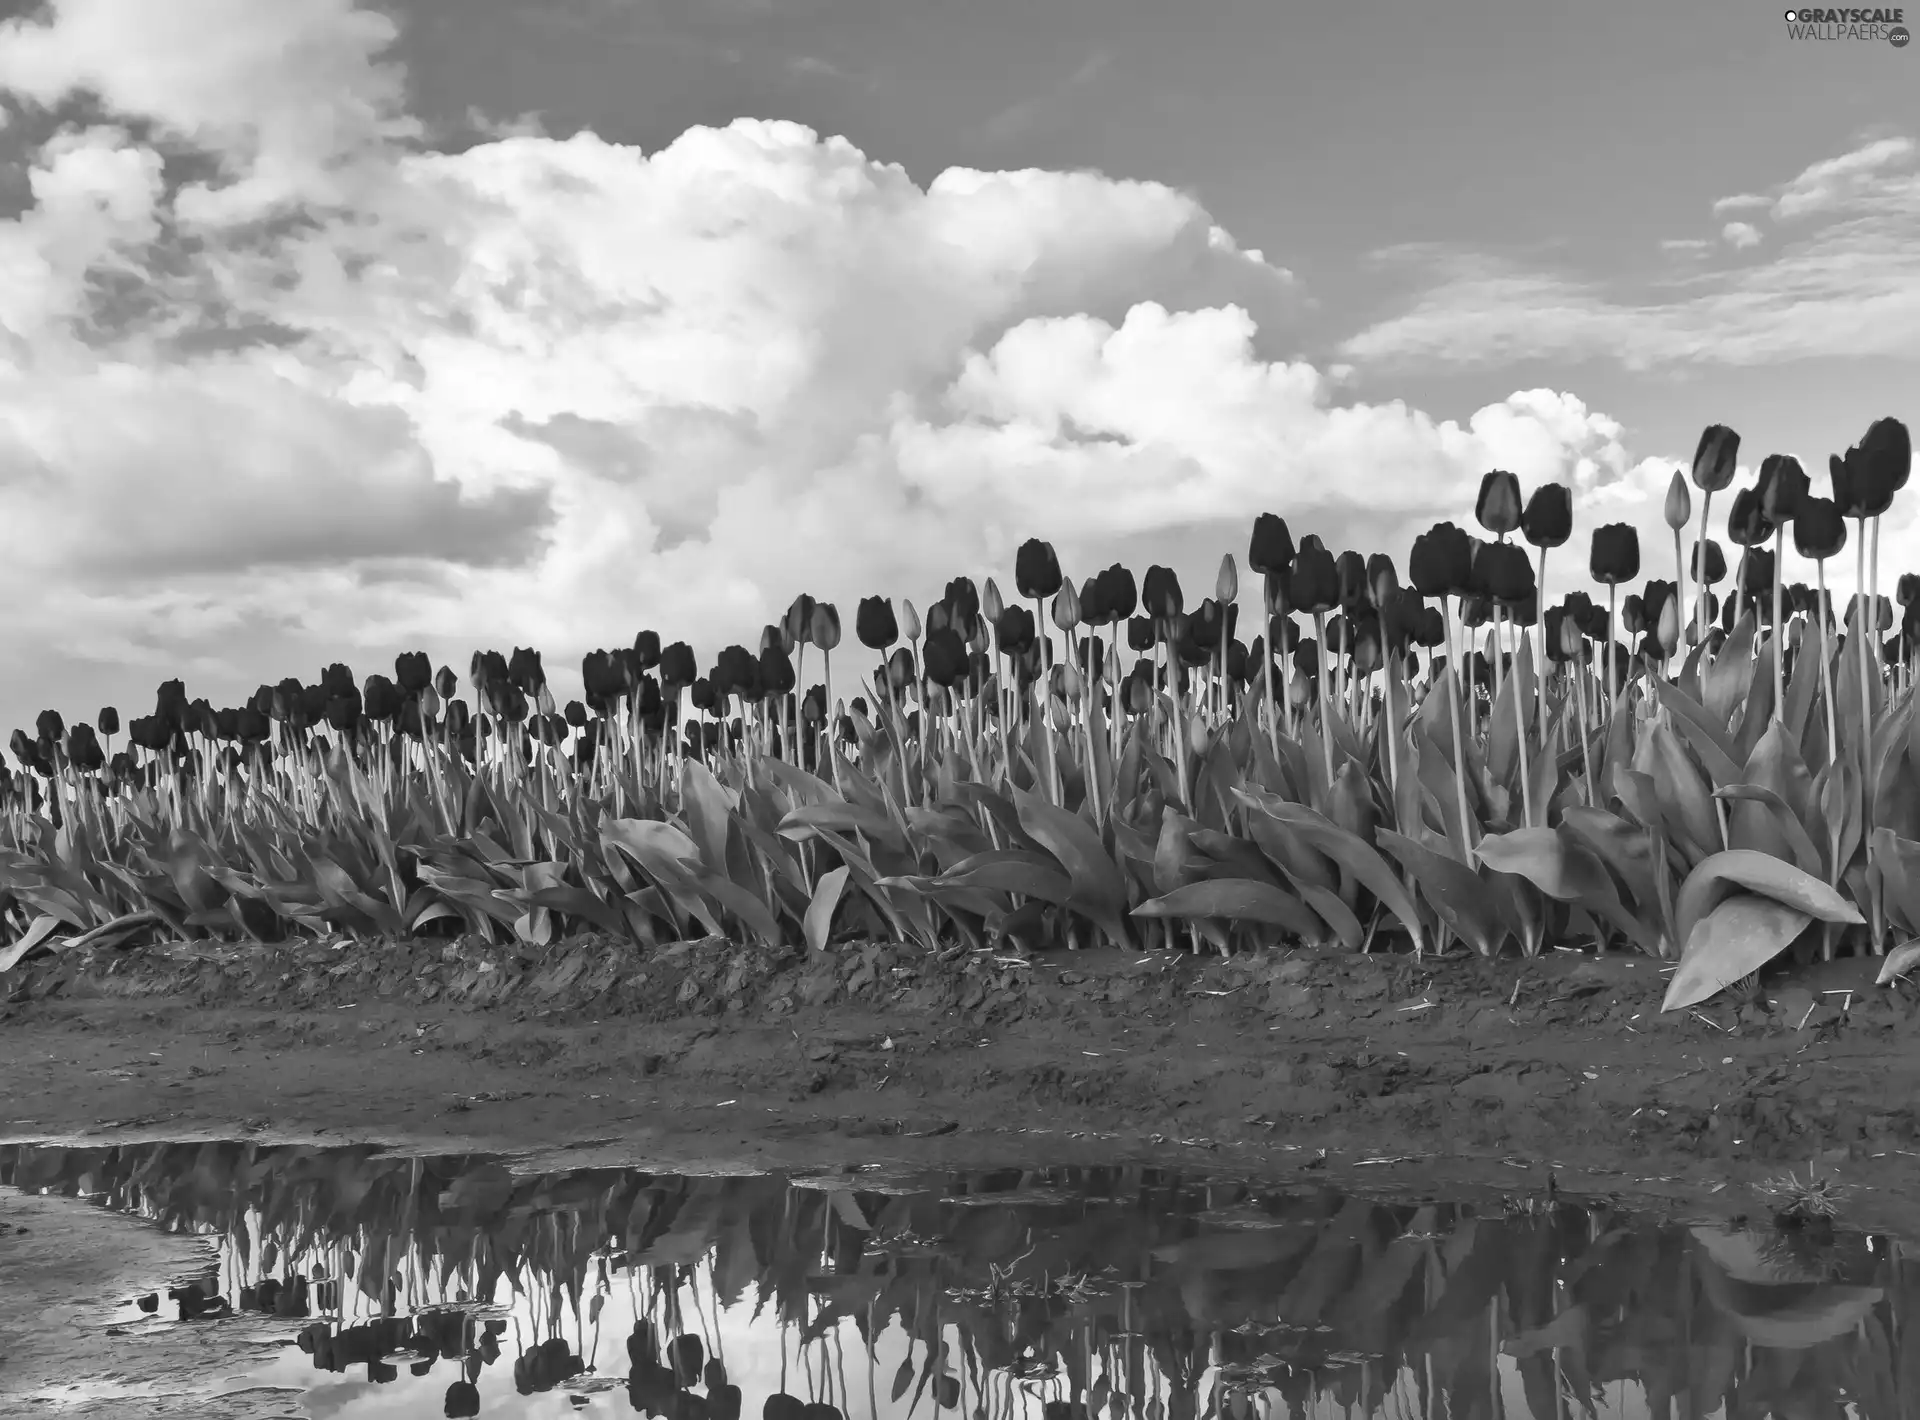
<point>1843,281</point>
<point>349,394</point>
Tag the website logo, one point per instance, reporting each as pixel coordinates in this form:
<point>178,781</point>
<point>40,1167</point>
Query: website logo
<point>1836,26</point>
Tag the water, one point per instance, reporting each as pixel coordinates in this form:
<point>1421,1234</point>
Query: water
<point>394,1286</point>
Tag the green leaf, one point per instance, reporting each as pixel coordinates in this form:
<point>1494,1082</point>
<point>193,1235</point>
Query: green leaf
<point>1099,891</point>
<point>818,924</point>
<point>1236,900</point>
<point>1456,892</point>
<point>1899,962</point>
<point>1741,935</point>
<point>1756,872</point>
<point>1353,855</point>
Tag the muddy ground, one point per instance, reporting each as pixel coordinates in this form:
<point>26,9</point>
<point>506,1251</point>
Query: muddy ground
<point>1378,1068</point>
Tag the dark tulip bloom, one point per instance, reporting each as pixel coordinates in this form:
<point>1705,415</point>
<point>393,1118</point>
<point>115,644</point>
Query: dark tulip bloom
<point>963,598</point>
<point>83,750</point>
<point>1119,595</point>
<point>1092,609</point>
<point>1036,570</point>
<point>1442,562</point>
<point>700,692</point>
<point>412,672</point>
<point>799,620</point>
<point>824,627</point>
<point>49,725</point>
<point>1756,572</point>
<point>1748,524</point>
<point>382,698</point>
<point>874,623</point>
<point>1498,506</point>
<point>1633,615</point>
<point>1615,555</point>
<point>339,679</point>
<point>1350,568</point>
<point>1548,520</point>
<point>1906,591</point>
<point>1014,632</point>
<point>1306,658</point>
<point>1716,564</point>
<point>1283,634</point>
<point>1819,529</point>
<point>600,678</point>
<point>1476,610</point>
<point>1206,625</point>
<point>1654,598</point>
<point>1093,657</point>
<point>459,718</point>
<point>170,704</point>
<point>1503,572</point>
<point>1783,483</point>
<point>1270,552</point>
<point>1160,596</point>
<point>1715,458</point>
<point>1884,460</point>
<point>677,667</point>
<point>1563,635</point>
<point>444,681</point>
<point>946,657</point>
<point>343,711</point>
<point>1314,586</point>
<point>775,671</point>
<point>1140,633</point>
<point>109,719</point>
<point>1433,628</point>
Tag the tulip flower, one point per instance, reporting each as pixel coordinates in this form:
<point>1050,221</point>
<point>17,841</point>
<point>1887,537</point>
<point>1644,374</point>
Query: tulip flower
<point>1036,570</point>
<point>874,624</point>
<point>1271,551</point>
<point>1160,594</point>
<point>1498,506</point>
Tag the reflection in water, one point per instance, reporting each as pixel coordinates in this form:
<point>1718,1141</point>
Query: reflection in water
<point>415,1286</point>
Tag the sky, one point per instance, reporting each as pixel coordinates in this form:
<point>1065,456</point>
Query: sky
<point>330,330</point>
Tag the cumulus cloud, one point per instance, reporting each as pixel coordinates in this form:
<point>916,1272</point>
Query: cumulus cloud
<point>282,383</point>
<point>1843,281</point>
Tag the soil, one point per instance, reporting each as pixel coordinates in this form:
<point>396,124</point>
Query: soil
<point>714,1057</point>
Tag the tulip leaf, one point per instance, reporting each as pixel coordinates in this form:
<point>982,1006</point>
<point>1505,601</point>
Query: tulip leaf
<point>1351,853</point>
<point>1901,960</point>
<point>1099,892</point>
<point>1757,873</point>
<point>1739,936</point>
<point>1456,892</point>
<point>818,924</point>
<point>1236,900</point>
<point>37,932</point>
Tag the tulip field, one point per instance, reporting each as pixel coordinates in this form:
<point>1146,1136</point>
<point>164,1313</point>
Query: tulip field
<point>1714,765</point>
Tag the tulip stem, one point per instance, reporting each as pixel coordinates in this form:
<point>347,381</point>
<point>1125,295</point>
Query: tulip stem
<point>1459,744</point>
<point>1826,665</point>
<point>1700,593</point>
<point>1326,713</point>
<point>1520,739</point>
<point>1546,659</point>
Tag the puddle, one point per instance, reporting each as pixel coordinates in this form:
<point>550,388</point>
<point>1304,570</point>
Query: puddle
<point>381,1285</point>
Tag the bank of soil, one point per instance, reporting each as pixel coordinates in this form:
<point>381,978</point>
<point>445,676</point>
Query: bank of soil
<point>1343,1067</point>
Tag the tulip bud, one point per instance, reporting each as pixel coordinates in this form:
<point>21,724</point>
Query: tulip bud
<point>1066,607</point>
<point>823,627</point>
<point>1667,630</point>
<point>1299,693</point>
<point>1226,583</point>
<point>909,620</point>
<point>991,604</point>
<point>1679,501</point>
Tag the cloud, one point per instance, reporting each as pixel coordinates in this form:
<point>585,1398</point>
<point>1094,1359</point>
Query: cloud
<point>282,383</point>
<point>1843,281</point>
